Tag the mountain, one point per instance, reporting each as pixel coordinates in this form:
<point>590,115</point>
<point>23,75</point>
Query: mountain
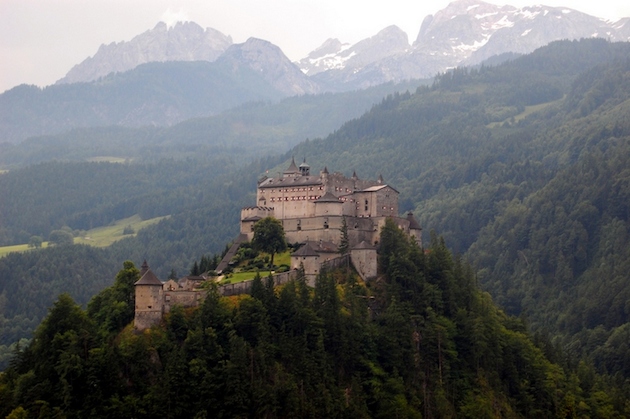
<point>186,41</point>
<point>270,62</point>
<point>154,94</point>
<point>334,54</point>
<point>466,32</point>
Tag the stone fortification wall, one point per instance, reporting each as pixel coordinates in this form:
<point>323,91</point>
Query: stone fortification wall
<point>182,298</point>
<point>245,287</point>
<point>335,263</point>
<point>365,262</point>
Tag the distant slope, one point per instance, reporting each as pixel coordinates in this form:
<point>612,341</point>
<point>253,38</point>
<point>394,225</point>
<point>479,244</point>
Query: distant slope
<point>242,133</point>
<point>151,94</point>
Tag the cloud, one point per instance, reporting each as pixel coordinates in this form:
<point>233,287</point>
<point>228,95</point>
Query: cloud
<point>171,18</point>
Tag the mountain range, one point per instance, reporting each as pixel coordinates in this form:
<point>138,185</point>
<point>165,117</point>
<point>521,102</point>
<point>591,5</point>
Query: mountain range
<point>466,32</point>
<point>170,74</point>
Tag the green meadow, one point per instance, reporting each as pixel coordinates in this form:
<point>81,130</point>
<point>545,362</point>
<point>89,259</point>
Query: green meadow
<point>100,236</point>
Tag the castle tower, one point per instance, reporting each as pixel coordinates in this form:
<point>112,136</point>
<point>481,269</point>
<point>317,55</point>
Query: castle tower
<point>305,169</point>
<point>363,257</point>
<point>149,300</point>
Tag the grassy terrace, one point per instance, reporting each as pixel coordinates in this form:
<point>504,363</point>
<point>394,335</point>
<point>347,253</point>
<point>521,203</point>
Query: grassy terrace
<point>239,275</point>
<point>97,237</point>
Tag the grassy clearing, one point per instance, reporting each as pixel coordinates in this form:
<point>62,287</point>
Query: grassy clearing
<point>279,259</point>
<point>104,236</point>
<point>528,111</point>
<point>97,237</point>
<point>5,250</point>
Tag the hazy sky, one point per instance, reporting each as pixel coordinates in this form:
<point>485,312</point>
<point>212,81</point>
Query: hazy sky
<point>40,40</point>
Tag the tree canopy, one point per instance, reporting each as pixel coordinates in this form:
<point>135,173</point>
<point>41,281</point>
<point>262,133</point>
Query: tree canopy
<point>269,237</point>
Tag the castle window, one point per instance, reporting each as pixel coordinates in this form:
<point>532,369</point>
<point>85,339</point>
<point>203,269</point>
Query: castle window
<point>366,207</point>
<point>325,224</point>
<point>149,307</point>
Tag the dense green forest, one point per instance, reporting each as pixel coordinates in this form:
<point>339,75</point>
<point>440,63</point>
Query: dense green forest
<point>422,341</point>
<point>520,167</point>
<point>241,133</point>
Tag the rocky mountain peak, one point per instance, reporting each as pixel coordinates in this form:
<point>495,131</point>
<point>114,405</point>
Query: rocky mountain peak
<point>185,41</point>
<point>269,60</point>
<point>334,55</point>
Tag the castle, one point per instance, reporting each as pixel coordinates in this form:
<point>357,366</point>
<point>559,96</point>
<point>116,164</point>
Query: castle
<point>313,210</point>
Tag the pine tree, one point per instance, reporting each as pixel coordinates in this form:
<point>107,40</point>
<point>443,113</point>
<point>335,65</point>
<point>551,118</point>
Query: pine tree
<point>344,245</point>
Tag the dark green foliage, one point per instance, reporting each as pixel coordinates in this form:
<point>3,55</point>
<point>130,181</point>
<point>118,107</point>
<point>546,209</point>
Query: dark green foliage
<point>269,237</point>
<point>343,239</point>
<point>60,238</point>
<point>113,308</point>
<point>295,352</point>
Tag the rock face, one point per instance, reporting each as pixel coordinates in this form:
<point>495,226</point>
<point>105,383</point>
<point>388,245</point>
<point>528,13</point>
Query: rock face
<point>335,55</point>
<point>271,63</point>
<point>182,42</point>
<point>466,32</point>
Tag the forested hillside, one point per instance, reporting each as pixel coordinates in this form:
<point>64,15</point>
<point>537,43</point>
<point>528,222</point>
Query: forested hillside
<point>240,134</point>
<point>522,168</point>
<point>422,341</point>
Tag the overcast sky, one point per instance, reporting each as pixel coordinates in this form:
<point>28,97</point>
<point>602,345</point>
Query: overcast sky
<point>40,40</point>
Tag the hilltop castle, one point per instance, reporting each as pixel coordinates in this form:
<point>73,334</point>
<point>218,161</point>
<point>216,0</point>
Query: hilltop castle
<point>313,210</point>
<point>312,207</point>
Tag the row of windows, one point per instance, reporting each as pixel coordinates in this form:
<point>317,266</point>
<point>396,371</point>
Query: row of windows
<point>321,188</point>
<point>294,198</point>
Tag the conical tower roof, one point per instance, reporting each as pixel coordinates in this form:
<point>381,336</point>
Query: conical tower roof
<point>292,169</point>
<point>144,268</point>
<point>149,278</point>
<point>328,197</point>
<point>413,223</point>
<point>304,251</point>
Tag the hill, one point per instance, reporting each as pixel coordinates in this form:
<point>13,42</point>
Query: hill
<point>521,168</point>
<point>422,341</point>
<point>159,94</point>
<point>239,134</point>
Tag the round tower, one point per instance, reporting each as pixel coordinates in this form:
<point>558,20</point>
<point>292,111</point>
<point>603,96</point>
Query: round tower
<point>149,300</point>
